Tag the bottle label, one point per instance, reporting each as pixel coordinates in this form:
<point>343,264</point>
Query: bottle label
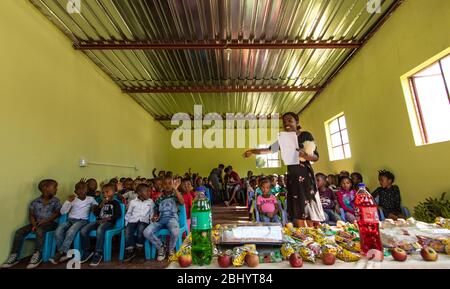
<point>201,220</point>
<point>367,214</point>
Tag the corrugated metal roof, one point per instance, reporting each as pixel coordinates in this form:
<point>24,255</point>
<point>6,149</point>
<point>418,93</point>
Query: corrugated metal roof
<point>237,21</point>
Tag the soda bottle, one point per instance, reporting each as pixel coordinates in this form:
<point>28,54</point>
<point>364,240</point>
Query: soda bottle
<point>201,224</point>
<point>368,222</point>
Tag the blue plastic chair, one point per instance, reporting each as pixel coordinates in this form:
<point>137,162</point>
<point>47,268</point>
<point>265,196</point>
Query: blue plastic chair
<point>48,242</point>
<point>109,234</point>
<point>150,251</point>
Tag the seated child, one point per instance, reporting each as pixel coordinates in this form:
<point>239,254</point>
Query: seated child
<point>274,187</point>
<point>328,200</point>
<point>128,191</point>
<point>346,198</point>
<point>92,190</point>
<point>267,204</point>
<point>166,216</point>
<point>357,179</point>
<point>42,215</point>
<point>107,213</point>
<point>78,209</point>
<point>282,191</point>
<point>187,197</point>
<point>157,188</point>
<point>137,219</point>
<point>331,181</point>
<point>388,196</point>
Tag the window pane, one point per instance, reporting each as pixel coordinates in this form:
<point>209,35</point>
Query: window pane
<point>344,134</point>
<point>334,126</point>
<point>336,139</point>
<point>435,107</point>
<point>342,122</point>
<point>338,153</point>
<point>347,151</point>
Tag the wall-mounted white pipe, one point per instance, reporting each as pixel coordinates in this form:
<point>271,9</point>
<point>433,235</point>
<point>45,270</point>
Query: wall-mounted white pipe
<point>84,163</point>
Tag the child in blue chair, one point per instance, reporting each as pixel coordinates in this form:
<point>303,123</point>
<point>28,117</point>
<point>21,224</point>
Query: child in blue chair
<point>165,217</point>
<point>78,208</point>
<point>42,215</point>
<point>389,195</point>
<point>137,218</point>
<point>107,214</point>
<point>267,204</point>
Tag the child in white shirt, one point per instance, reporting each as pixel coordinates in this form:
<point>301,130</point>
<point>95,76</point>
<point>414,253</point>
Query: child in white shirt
<point>137,219</point>
<point>78,209</point>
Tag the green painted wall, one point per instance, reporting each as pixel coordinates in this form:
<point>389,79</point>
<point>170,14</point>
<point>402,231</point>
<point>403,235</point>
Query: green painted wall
<point>368,90</point>
<point>56,107</point>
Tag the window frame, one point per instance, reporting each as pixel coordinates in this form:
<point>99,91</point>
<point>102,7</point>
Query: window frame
<point>268,158</point>
<point>329,138</point>
<point>416,98</point>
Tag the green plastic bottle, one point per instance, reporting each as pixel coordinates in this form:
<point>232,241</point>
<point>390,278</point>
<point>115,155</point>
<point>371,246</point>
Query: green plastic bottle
<point>201,224</point>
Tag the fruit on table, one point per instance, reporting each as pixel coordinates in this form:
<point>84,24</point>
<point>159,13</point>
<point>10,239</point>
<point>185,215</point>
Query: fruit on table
<point>185,260</point>
<point>447,249</point>
<point>224,261</point>
<point>289,225</point>
<point>252,260</point>
<point>399,254</point>
<point>295,260</point>
<point>375,255</point>
<point>429,254</point>
<point>328,259</point>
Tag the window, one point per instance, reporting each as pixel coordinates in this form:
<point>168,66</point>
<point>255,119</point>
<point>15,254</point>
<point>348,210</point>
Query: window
<point>337,138</point>
<point>268,160</point>
<point>431,100</point>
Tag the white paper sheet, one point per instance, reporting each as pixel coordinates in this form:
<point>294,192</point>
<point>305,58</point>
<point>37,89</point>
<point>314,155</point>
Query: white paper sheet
<point>289,148</point>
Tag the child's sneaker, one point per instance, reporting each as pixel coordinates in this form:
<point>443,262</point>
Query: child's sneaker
<point>161,254</point>
<point>36,259</point>
<point>86,256</point>
<point>171,253</point>
<point>57,258</point>
<point>13,259</point>
<point>129,254</point>
<point>96,260</point>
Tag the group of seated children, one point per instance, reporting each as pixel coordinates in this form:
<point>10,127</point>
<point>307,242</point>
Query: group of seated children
<point>151,206</point>
<point>338,191</point>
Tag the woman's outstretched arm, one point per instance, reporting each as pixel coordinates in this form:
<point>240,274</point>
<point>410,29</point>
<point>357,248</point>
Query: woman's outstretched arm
<point>251,152</point>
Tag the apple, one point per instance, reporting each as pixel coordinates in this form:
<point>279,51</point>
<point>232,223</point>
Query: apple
<point>375,255</point>
<point>252,260</point>
<point>224,260</point>
<point>428,254</point>
<point>328,259</point>
<point>399,254</point>
<point>185,260</point>
<point>295,260</point>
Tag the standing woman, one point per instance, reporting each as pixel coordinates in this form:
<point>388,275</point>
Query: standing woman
<point>303,200</point>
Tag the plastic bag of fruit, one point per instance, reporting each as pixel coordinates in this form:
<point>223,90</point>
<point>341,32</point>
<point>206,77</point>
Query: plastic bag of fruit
<point>438,243</point>
<point>346,255</point>
<point>238,254</point>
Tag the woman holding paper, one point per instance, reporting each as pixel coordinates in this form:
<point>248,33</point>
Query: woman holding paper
<point>303,200</point>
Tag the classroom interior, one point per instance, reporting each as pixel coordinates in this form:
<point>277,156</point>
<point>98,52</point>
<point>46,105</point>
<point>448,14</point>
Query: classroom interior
<point>68,94</point>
